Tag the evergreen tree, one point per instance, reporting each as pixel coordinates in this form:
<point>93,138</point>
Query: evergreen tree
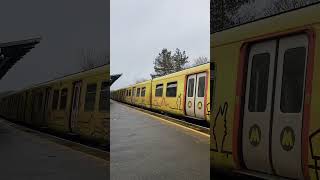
<point>166,63</point>
<point>180,59</point>
<point>163,64</point>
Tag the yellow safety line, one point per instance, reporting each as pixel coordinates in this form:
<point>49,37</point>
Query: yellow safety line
<point>162,119</point>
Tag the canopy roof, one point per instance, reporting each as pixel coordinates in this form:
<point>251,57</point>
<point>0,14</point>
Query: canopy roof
<point>113,78</point>
<point>11,52</point>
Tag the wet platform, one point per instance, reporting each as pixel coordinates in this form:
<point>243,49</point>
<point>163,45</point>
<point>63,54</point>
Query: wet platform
<point>148,147</point>
<point>26,155</point>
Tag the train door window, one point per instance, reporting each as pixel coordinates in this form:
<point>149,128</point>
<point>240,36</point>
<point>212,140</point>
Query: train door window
<point>293,80</point>
<point>201,86</point>
<point>138,92</point>
<point>129,92</point>
<point>103,104</point>
<point>259,82</point>
<point>171,89</point>
<point>90,99</point>
<point>55,99</point>
<point>190,87</point>
<point>143,92</point>
<point>159,89</point>
<point>63,99</point>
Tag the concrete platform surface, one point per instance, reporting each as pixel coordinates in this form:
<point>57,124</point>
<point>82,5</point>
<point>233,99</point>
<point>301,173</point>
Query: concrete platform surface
<point>24,155</point>
<point>145,147</point>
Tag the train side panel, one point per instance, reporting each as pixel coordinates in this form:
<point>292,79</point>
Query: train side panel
<point>226,62</point>
<point>166,102</point>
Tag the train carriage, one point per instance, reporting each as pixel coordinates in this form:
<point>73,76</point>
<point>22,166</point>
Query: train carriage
<point>266,113</point>
<point>75,104</point>
<point>142,96</point>
<point>184,93</point>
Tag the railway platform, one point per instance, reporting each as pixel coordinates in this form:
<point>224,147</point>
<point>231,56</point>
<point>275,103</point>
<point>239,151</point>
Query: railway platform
<point>26,154</point>
<point>144,146</point>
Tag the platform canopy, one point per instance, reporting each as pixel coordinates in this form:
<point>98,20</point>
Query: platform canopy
<point>114,78</point>
<point>11,52</point>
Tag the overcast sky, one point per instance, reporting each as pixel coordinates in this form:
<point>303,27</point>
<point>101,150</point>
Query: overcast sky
<point>140,29</point>
<point>65,26</point>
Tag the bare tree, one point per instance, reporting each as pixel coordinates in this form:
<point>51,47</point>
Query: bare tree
<point>91,58</point>
<point>277,6</point>
<point>200,60</point>
<point>251,11</point>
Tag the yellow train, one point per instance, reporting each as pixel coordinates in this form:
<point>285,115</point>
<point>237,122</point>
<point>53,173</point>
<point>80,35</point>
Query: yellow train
<point>184,93</point>
<point>77,104</point>
<point>265,121</point>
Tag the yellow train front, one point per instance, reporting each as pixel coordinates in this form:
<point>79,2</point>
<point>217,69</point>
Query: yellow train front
<point>267,83</point>
<point>77,105</point>
<point>184,93</point>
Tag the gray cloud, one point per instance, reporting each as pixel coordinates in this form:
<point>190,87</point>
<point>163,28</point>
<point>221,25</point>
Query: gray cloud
<point>140,29</point>
<point>65,26</point>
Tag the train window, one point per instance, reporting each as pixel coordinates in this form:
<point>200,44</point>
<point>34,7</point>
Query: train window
<point>129,92</point>
<point>134,91</point>
<point>63,99</point>
<point>143,92</point>
<point>103,104</point>
<point>293,80</point>
<point>259,82</point>
<point>159,89</point>
<point>138,92</point>
<point>201,86</point>
<point>190,87</point>
<point>171,89</point>
<point>40,101</point>
<point>90,97</point>
<point>55,99</point>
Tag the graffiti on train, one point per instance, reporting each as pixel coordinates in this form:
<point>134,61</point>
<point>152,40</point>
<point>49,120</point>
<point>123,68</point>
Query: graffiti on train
<point>208,109</point>
<point>219,123</point>
<point>162,102</point>
<point>314,139</point>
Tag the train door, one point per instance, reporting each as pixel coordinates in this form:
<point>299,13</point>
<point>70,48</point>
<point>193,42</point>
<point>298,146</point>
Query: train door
<point>133,95</point>
<point>75,106</point>
<point>272,120</point>
<point>196,94</point>
<point>200,95</point>
<point>46,107</point>
<point>190,95</point>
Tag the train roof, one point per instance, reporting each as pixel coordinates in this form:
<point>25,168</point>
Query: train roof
<point>297,18</point>
<point>76,75</point>
<point>185,71</point>
<point>11,52</point>
<point>114,77</point>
